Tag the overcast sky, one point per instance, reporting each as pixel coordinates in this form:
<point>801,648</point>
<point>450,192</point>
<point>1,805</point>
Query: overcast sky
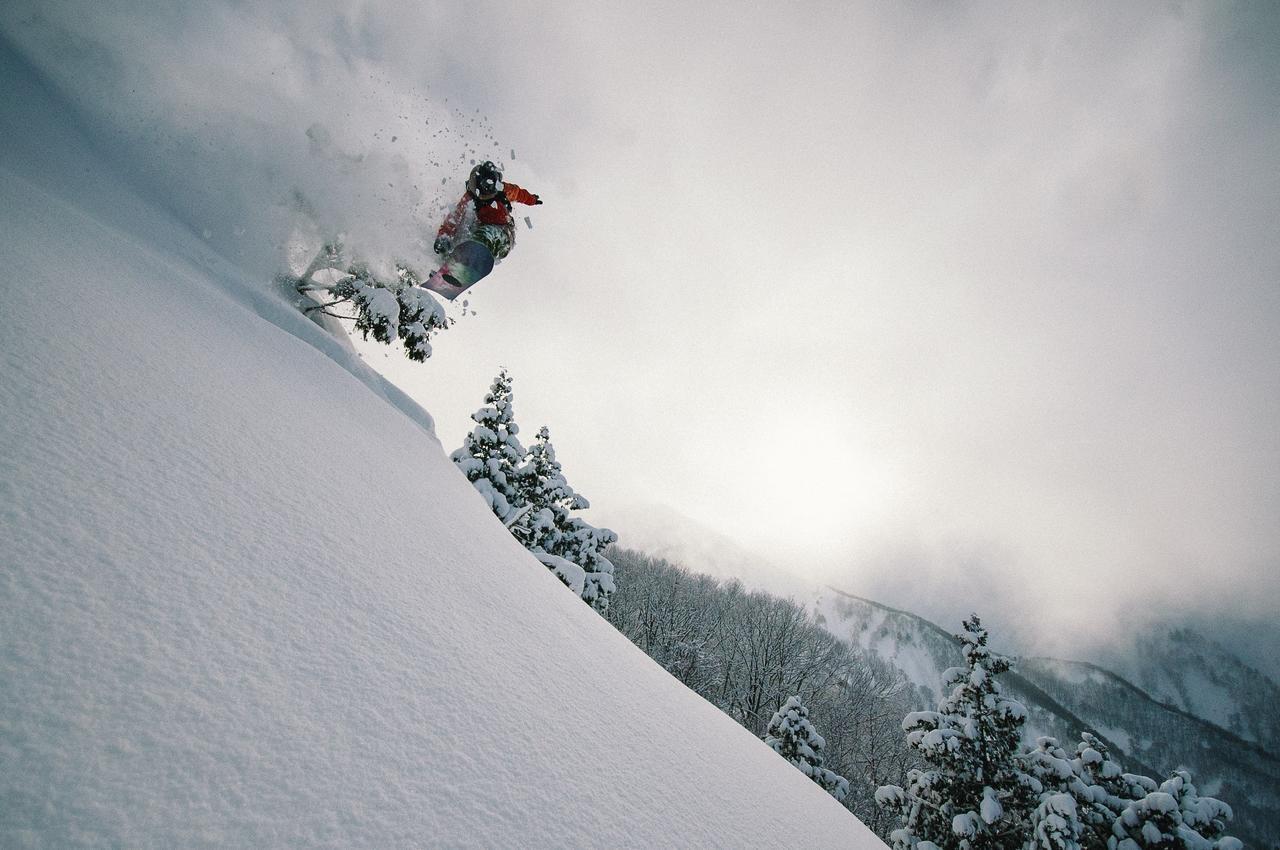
<point>908,296</point>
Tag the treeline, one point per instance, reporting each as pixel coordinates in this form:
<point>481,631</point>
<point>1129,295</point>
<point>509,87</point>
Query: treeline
<point>961,777</point>
<point>749,653</point>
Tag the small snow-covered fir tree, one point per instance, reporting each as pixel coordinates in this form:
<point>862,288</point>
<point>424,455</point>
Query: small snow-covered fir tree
<point>1174,817</point>
<point>971,793</point>
<point>386,309</point>
<point>1089,802</point>
<point>1150,823</point>
<point>491,453</point>
<point>547,528</point>
<point>546,494</point>
<point>585,545</point>
<point>1205,817</point>
<point>527,490</point>
<point>1055,777</point>
<point>1108,791</point>
<point>1055,823</point>
<point>793,737</point>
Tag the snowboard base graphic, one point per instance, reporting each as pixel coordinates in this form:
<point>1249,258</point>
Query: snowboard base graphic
<point>467,263</point>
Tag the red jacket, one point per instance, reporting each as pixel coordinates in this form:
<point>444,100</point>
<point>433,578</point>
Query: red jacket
<point>488,212</point>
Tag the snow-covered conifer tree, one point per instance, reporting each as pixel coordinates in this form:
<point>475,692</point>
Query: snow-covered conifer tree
<point>548,529</point>
<point>491,453</point>
<point>1054,777</point>
<point>1108,791</point>
<point>1116,810</point>
<point>585,545</point>
<point>1174,817</point>
<point>793,737</point>
<point>547,495</point>
<point>971,793</point>
<point>528,492</point>
<point>384,309</point>
<point>1207,817</point>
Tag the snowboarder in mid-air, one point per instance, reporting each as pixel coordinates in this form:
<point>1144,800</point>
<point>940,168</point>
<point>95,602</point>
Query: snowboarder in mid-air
<point>478,232</point>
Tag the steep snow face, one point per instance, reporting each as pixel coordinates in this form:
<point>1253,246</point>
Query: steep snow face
<point>246,601</point>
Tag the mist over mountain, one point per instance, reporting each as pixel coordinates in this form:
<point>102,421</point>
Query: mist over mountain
<point>663,532</point>
<point>1147,732</point>
<point>945,585</point>
<point>1256,641</point>
<point>1044,613</point>
<point>1180,666</point>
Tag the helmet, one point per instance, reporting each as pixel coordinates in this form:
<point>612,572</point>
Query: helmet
<point>485,181</point>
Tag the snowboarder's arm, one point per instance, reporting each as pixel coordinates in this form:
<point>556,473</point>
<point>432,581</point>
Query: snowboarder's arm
<point>454,219</point>
<point>516,195</point>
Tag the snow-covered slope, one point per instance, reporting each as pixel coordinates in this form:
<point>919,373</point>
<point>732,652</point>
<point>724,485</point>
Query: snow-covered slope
<point>245,599</point>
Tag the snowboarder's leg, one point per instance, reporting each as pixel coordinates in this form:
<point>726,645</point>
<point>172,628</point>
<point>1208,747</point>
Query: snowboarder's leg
<point>497,238</point>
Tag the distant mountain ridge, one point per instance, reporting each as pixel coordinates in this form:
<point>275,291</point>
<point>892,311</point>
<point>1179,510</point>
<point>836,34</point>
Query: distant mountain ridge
<point>1064,698</point>
<point>1179,666</point>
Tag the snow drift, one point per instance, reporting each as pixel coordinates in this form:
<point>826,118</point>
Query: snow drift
<point>247,600</point>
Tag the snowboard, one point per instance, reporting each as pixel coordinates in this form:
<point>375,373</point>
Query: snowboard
<point>466,264</point>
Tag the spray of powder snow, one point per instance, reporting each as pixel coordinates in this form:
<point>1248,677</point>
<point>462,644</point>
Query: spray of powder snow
<point>265,128</point>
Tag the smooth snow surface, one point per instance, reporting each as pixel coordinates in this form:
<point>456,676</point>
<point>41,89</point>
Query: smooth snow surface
<point>247,601</point>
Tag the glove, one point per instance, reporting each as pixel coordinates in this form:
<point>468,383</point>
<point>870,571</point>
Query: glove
<point>536,200</point>
<point>443,244</point>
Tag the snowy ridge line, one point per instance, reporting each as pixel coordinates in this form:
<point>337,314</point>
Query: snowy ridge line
<point>267,303</point>
<point>1117,679</point>
<point>1132,762</point>
<point>1019,682</point>
<point>932,625</point>
<point>1057,707</point>
<point>1229,758</point>
<point>275,304</point>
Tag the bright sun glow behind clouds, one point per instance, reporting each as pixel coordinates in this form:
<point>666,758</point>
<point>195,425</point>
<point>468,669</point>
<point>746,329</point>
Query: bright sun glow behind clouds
<point>797,481</point>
